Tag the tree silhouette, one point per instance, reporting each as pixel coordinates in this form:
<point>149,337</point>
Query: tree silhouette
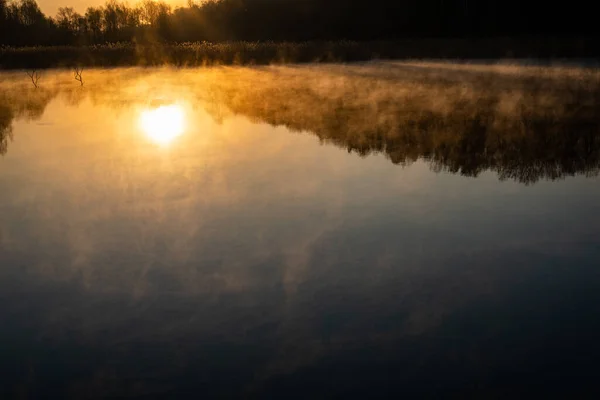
<point>22,23</point>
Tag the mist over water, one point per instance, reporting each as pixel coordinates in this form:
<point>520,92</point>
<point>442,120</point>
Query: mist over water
<point>295,230</point>
<point>459,118</point>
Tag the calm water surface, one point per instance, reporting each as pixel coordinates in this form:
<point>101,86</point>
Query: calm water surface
<point>351,231</point>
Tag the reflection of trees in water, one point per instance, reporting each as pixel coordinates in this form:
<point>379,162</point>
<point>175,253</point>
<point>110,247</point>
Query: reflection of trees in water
<point>524,129</point>
<point>6,117</point>
<point>465,121</point>
<point>27,104</point>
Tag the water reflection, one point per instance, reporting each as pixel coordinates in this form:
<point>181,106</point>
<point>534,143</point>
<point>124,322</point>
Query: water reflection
<point>163,124</point>
<point>247,260</point>
<point>522,126</point>
<point>5,127</point>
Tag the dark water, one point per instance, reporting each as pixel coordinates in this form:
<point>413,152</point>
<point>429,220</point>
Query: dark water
<point>311,232</point>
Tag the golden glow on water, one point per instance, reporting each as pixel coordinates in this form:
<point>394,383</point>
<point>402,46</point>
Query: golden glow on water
<point>163,124</point>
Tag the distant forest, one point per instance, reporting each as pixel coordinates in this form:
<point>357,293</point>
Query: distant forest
<point>22,23</point>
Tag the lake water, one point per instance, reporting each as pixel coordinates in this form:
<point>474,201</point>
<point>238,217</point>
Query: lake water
<point>311,231</point>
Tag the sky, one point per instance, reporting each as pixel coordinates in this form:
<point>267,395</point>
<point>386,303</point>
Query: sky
<point>50,7</point>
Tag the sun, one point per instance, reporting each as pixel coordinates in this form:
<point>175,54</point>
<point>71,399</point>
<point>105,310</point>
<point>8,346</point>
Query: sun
<point>163,124</point>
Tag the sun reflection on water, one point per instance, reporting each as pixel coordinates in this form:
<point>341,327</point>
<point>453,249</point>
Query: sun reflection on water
<point>163,124</point>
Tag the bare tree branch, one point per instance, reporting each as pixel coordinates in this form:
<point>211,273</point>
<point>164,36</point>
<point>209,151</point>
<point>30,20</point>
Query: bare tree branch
<point>78,71</point>
<point>35,77</point>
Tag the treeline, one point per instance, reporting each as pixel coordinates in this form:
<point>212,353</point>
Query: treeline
<point>22,23</point>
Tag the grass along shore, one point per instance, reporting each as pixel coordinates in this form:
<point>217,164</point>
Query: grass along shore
<point>261,53</point>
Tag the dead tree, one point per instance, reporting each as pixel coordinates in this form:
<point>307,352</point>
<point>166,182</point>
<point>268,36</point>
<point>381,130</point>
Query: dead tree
<point>35,77</point>
<point>78,71</point>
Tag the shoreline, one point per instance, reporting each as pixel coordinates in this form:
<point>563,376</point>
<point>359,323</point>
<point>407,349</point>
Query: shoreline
<point>579,52</point>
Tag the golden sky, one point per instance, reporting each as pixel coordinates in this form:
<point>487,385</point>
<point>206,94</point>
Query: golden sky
<point>50,7</point>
